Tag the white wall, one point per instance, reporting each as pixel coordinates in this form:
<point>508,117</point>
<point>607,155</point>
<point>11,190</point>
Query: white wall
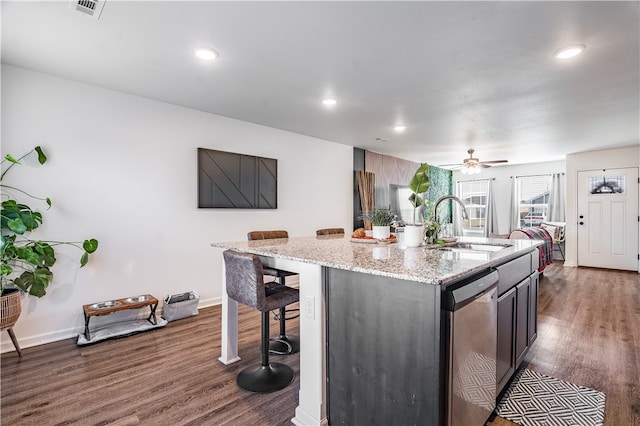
<point>502,184</point>
<point>607,159</point>
<point>122,169</point>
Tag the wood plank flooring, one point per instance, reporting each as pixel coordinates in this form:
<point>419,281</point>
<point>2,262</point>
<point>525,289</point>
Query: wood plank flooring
<point>589,334</point>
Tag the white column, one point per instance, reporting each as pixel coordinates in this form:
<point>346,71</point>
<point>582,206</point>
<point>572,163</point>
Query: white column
<point>229,333</point>
<point>311,409</point>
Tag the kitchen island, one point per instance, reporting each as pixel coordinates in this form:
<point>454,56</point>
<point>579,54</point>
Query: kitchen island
<point>407,284</point>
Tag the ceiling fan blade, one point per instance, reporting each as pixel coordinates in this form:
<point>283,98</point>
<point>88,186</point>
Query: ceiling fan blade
<point>450,165</point>
<point>494,162</point>
<point>483,166</point>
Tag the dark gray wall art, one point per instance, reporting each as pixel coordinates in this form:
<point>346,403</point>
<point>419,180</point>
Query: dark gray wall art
<point>230,180</point>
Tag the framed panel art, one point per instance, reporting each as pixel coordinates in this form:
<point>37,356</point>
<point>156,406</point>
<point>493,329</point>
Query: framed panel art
<point>237,181</point>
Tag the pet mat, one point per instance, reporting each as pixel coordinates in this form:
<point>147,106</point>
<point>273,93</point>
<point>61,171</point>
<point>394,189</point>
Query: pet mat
<point>121,329</point>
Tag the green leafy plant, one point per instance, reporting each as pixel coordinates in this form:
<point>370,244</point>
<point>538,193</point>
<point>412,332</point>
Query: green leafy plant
<point>24,262</point>
<point>381,217</point>
<point>419,185</point>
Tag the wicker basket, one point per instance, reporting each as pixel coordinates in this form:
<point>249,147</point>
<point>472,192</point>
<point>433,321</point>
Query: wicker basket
<point>10,307</point>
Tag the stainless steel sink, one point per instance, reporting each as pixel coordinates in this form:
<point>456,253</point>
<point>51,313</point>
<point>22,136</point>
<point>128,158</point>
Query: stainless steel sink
<point>475,247</point>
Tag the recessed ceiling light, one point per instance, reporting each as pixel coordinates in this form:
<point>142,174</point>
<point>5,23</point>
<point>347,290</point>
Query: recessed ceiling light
<point>569,51</point>
<point>399,127</point>
<point>329,101</point>
<point>205,53</point>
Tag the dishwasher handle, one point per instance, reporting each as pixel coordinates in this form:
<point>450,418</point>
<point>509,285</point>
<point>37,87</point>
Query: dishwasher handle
<point>461,296</point>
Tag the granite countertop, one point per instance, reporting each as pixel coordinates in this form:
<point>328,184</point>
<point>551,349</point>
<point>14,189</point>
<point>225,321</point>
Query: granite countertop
<point>421,264</point>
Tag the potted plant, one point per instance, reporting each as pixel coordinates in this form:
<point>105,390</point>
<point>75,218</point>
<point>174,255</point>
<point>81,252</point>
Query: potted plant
<point>381,219</point>
<point>414,232</point>
<point>25,263</point>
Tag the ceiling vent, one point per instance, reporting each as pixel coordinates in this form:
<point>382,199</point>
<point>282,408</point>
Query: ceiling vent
<point>92,8</point>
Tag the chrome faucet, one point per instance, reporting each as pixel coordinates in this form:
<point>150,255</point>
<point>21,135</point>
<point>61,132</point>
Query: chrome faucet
<point>448,197</point>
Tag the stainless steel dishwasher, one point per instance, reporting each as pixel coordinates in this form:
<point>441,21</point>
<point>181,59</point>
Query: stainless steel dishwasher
<point>471,316</point>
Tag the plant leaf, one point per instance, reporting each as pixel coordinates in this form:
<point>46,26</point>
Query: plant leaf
<point>420,180</point>
<point>17,226</point>
<point>35,282</point>
<point>5,269</point>
<point>10,158</point>
<point>84,259</point>
<point>41,157</point>
<point>416,200</point>
<point>48,200</point>
<point>90,245</point>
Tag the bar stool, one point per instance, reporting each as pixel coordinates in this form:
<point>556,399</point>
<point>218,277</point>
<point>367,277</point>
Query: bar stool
<point>283,344</point>
<point>245,284</point>
<point>329,231</point>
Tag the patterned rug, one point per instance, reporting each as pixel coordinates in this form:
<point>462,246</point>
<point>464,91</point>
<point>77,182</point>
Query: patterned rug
<point>533,399</point>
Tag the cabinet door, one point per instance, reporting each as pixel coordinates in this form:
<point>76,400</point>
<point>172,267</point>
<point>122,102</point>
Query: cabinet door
<point>533,308</point>
<point>506,339</point>
<point>523,302</point>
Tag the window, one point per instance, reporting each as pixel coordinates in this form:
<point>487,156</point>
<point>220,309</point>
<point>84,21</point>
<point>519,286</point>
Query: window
<point>474,194</point>
<point>533,196</point>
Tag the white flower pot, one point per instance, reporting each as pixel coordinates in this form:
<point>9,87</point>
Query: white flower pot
<point>413,235</point>
<point>381,232</point>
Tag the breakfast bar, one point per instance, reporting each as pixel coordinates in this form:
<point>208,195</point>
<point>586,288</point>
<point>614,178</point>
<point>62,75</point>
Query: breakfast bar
<point>339,282</point>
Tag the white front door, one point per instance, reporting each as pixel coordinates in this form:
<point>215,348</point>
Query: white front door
<point>608,218</point>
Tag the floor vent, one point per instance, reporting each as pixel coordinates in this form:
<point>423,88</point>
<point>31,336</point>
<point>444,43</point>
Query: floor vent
<point>91,8</point>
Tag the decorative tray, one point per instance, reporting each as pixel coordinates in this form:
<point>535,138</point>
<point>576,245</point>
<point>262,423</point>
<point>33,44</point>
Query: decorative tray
<point>373,240</point>
<point>364,240</point>
<point>388,241</point>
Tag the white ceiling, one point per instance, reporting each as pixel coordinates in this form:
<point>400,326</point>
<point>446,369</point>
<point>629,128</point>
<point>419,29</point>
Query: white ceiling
<point>459,74</point>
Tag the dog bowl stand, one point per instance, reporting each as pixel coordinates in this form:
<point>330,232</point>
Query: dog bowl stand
<point>111,306</point>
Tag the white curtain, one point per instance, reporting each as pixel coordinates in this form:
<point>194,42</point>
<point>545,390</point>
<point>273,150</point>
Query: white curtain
<point>557,196</point>
<point>514,214</point>
<point>491,219</point>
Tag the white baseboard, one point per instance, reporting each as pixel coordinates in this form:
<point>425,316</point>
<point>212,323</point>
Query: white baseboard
<point>54,336</point>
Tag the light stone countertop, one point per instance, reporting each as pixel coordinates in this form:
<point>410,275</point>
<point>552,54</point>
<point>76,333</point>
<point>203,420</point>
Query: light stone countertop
<point>420,264</point>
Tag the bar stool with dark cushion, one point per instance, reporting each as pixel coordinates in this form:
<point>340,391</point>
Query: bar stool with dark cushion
<point>245,284</point>
<point>283,344</point>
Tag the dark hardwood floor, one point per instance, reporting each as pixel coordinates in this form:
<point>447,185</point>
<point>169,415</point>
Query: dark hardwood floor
<point>588,334</point>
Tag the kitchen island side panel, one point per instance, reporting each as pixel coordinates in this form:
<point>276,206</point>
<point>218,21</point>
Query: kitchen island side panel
<point>383,351</point>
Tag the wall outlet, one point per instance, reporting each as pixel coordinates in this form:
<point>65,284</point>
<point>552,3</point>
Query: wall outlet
<point>309,307</point>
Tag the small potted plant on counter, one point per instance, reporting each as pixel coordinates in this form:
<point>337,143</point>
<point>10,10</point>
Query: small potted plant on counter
<point>414,233</point>
<point>381,219</point>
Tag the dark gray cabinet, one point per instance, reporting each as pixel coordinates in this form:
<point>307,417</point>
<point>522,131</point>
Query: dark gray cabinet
<point>533,307</point>
<point>517,316</point>
<point>523,303</point>
<point>505,366</point>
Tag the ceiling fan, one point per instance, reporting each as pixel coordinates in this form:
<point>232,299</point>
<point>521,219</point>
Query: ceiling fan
<point>472,165</point>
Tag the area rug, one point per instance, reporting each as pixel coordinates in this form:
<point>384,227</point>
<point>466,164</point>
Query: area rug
<point>533,399</point>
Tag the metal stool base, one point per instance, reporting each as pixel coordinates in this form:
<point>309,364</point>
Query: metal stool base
<point>267,379</point>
